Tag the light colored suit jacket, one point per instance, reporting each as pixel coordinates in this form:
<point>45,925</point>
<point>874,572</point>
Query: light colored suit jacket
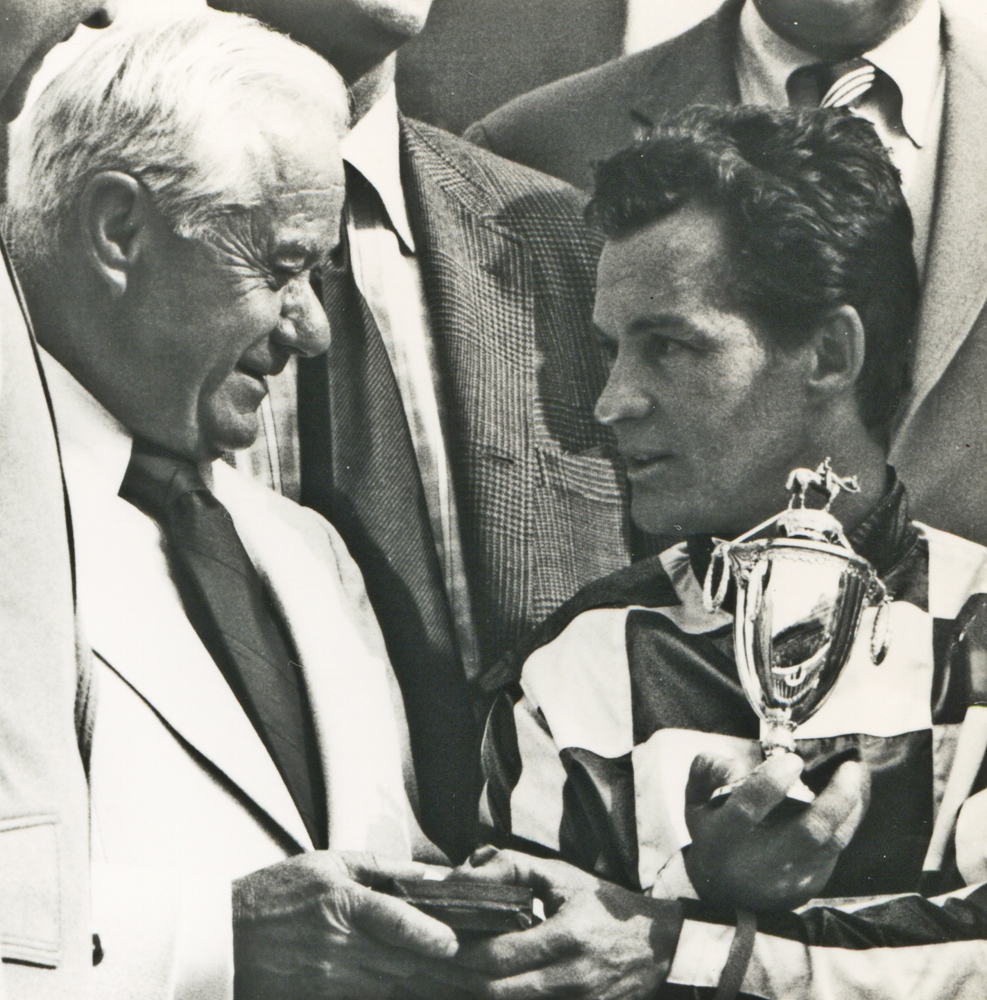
<point>44,821</point>
<point>940,443</point>
<point>185,796</point>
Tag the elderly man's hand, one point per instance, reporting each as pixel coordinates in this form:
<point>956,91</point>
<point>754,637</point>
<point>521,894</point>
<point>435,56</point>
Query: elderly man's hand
<point>600,941</point>
<point>743,856</point>
<point>312,926</point>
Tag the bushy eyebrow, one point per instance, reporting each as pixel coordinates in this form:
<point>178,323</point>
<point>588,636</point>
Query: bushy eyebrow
<point>656,323</point>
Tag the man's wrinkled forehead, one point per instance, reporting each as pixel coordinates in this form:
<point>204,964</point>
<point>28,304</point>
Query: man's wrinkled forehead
<point>303,220</point>
<point>322,202</point>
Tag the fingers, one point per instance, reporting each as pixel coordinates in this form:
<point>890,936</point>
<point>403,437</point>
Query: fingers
<point>392,921</point>
<point>765,787</point>
<point>708,773</point>
<point>374,871</point>
<point>840,806</point>
<point>540,983</point>
<point>520,951</point>
<point>552,881</point>
<point>487,864</point>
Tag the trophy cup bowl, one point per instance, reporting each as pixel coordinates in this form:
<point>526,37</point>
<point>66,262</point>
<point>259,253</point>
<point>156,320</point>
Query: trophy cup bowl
<point>800,598</point>
<point>799,606</point>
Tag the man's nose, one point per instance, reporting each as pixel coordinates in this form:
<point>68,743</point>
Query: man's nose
<point>304,328</point>
<point>625,396</point>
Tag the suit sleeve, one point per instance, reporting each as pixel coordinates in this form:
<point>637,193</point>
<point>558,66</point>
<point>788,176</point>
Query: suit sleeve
<point>904,946</point>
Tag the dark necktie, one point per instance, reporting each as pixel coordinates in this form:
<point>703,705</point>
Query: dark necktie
<point>360,471</point>
<point>227,604</point>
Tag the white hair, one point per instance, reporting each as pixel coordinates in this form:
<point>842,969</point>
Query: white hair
<point>187,105</point>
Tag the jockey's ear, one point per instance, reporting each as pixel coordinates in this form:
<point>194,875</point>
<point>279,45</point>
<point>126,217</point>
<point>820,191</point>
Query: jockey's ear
<point>837,352</point>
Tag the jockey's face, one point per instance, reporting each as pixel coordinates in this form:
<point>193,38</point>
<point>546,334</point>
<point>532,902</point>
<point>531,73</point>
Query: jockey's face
<point>709,419</point>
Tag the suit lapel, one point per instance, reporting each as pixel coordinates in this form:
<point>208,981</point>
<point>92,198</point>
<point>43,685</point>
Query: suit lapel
<point>136,624</point>
<point>478,277</point>
<point>699,67</point>
<point>956,276</point>
<point>345,682</point>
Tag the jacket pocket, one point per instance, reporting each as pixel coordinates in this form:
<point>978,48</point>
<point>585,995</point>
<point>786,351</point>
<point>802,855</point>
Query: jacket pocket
<point>582,528</point>
<point>29,890</point>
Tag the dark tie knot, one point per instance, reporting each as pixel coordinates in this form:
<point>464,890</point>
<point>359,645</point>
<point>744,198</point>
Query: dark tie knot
<point>157,481</point>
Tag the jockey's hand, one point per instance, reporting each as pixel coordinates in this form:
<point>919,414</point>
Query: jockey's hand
<point>745,854</point>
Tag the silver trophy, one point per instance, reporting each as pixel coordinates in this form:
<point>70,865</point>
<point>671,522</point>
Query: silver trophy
<point>801,594</point>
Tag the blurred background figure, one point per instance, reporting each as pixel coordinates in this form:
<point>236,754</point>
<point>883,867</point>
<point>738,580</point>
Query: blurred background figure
<point>475,55</point>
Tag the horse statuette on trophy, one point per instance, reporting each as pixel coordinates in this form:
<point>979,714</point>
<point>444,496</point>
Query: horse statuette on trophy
<point>801,594</point>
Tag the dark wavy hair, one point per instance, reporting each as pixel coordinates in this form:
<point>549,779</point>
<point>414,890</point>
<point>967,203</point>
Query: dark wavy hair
<point>815,219</point>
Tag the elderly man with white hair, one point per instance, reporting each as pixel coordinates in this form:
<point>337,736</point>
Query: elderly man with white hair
<point>170,194</point>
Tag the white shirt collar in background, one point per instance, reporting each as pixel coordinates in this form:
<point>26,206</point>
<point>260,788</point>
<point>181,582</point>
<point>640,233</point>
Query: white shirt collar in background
<point>373,147</point>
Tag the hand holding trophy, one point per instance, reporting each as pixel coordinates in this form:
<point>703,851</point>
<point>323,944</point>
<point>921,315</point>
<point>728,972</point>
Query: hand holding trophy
<point>801,594</point>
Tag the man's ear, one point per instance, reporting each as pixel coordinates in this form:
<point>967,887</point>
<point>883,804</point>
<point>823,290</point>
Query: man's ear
<point>114,212</point>
<point>837,346</point>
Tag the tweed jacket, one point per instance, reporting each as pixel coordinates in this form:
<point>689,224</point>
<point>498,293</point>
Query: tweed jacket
<point>509,273</point>
<point>45,931</point>
<point>940,442</point>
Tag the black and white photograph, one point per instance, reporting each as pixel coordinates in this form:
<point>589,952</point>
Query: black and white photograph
<point>493,500</point>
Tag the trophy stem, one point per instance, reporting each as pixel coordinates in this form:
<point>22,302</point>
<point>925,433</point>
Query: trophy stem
<point>777,732</point>
<point>777,737</point>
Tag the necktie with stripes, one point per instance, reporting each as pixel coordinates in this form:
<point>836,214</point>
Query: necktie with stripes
<point>831,85</point>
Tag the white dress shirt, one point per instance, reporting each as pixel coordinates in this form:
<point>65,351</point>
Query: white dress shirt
<point>387,273</point>
<point>912,57</point>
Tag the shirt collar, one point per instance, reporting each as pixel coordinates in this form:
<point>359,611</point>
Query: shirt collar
<point>95,446</point>
<point>912,57</point>
<point>373,147</point>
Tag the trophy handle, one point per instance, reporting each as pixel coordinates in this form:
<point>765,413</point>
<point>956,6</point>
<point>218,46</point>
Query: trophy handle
<point>880,638</point>
<point>720,557</point>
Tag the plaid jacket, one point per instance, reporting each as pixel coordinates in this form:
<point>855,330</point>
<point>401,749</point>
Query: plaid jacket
<point>588,760</point>
<point>509,273</point>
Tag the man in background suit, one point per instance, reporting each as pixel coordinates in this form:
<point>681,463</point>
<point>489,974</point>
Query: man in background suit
<point>929,104</point>
<point>246,713</point>
<point>45,935</point>
<point>450,436</point>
